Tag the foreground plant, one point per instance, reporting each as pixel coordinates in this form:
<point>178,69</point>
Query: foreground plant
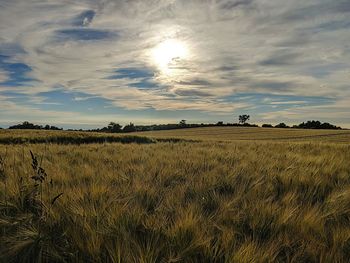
<point>178,202</point>
<point>29,232</point>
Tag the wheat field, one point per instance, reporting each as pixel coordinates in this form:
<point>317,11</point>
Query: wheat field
<point>224,196</point>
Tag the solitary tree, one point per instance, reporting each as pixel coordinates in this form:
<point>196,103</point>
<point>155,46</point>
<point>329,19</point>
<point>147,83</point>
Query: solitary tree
<point>182,123</point>
<point>243,118</point>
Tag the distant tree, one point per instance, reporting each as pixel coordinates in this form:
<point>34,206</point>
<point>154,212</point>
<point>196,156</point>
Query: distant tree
<point>327,125</point>
<point>267,125</point>
<point>243,118</point>
<point>182,123</point>
<point>316,125</point>
<point>114,127</point>
<point>27,125</point>
<point>281,125</point>
<point>55,128</point>
<point>220,123</point>
<point>129,128</point>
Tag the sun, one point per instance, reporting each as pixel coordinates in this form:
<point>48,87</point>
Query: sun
<point>169,52</point>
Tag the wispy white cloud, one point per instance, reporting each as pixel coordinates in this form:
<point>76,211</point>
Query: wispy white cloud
<point>296,48</point>
<point>288,102</point>
<point>338,111</point>
<point>3,76</point>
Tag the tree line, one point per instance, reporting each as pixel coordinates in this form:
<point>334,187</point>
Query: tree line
<point>305,125</point>
<point>30,126</point>
<point>114,127</point>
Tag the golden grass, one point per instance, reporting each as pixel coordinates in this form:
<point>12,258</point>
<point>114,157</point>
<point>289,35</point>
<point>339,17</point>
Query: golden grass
<point>252,133</point>
<point>66,137</point>
<point>210,201</point>
<point>203,134</point>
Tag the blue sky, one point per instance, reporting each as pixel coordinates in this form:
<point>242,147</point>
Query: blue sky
<point>84,63</point>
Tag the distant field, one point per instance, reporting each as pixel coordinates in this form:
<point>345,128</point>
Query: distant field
<point>68,137</point>
<point>203,134</point>
<point>238,133</point>
<point>251,133</point>
<point>231,195</point>
<point>17,136</point>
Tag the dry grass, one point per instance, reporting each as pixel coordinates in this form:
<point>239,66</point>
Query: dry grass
<point>251,133</point>
<point>204,134</point>
<point>208,201</point>
<point>67,137</point>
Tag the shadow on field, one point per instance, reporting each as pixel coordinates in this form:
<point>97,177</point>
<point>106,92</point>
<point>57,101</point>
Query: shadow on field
<point>89,139</point>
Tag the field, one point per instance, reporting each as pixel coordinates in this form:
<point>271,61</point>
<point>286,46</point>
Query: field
<point>225,134</point>
<point>218,134</point>
<point>199,195</point>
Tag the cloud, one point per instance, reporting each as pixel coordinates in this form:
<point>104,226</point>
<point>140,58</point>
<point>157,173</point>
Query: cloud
<point>3,76</point>
<point>192,93</point>
<point>318,9</point>
<point>82,98</point>
<point>132,73</point>
<point>103,49</point>
<point>234,4</point>
<point>195,82</point>
<point>280,59</point>
<point>16,73</point>
<point>297,102</point>
<point>85,18</point>
<point>84,34</point>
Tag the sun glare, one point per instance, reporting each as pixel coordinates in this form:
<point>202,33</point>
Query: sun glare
<point>168,53</point>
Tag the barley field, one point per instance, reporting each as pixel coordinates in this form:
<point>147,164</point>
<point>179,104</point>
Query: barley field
<point>225,134</point>
<point>197,195</point>
<point>218,134</point>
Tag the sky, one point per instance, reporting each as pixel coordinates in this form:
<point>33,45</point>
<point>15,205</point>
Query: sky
<point>84,63</point>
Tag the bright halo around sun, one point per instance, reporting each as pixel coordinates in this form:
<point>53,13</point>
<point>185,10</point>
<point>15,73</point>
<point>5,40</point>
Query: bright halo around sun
<point>169,53</point>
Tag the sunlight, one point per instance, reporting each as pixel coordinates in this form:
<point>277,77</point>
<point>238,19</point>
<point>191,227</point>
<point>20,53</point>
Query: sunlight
<point>168,53</point>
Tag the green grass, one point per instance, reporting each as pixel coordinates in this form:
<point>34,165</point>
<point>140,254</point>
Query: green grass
<point>205,201</point>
